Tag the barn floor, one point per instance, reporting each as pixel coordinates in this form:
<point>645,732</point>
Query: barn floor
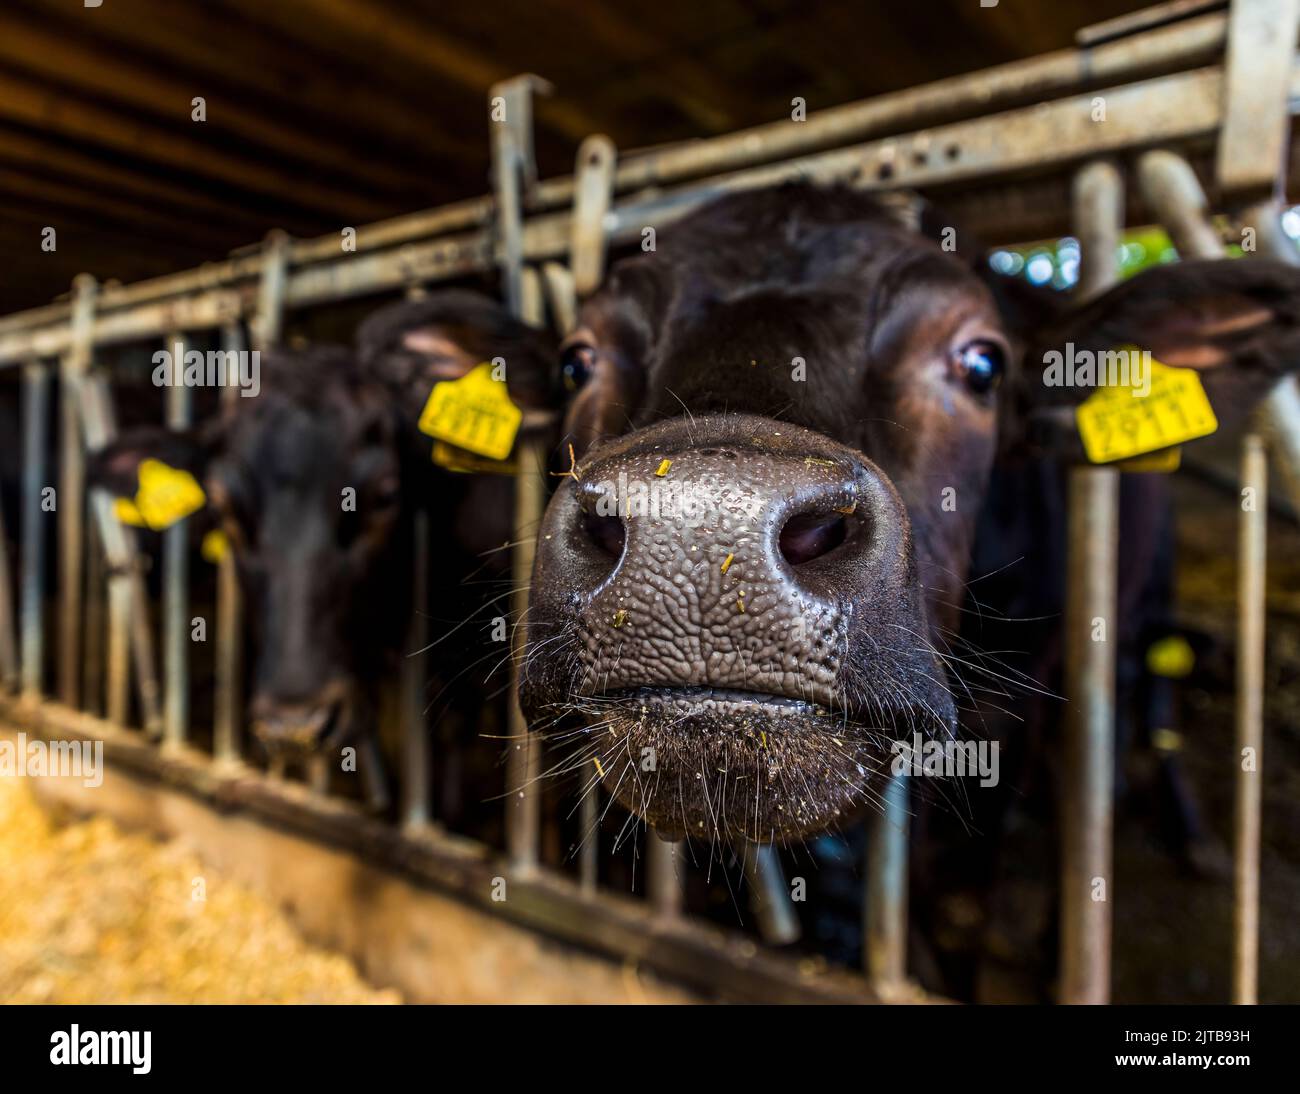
<point>89,914</point>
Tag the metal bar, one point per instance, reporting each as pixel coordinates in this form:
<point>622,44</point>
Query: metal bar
<point>1253,141</point>
<point>36,413</point>
<point>513,171</point>
<point>267,327</point>
<point>523,761</point>
<point>665,879</point>
<point>9,671</point>
<point>227,705</point>
<point>589,850</point>
<point>72,488</point>
<point>1091,622</point>
<point>1251,620</point>
<point>176,580</point>
<point>1184,107</point>
<point>1091,627</point>
<point>768,896</point>
<point>885,907</point>
<point>593,190</point>
<point>416,773</point>
<point>1166,49</point>
<point>130,636</point>
<point>92,674</point>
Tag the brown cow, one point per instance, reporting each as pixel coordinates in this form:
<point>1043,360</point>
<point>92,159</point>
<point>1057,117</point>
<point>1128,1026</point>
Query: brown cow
<point>785,422</point>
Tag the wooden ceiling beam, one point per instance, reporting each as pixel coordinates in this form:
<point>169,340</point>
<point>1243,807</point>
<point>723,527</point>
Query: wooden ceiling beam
<point>61,197</point>
<point>402,37</point>
<point>40,106</point>
<point>21,149</point>
<point>57,59</point>
<point>276,74</point>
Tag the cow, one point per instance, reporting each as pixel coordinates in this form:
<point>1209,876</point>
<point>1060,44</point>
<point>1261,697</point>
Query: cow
<point>315,481</point>
<point>785,422</point>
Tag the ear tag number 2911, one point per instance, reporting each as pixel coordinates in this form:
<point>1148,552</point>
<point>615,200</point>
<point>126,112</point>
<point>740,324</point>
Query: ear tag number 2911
<point>1117,423</point>
<point>474,413</point>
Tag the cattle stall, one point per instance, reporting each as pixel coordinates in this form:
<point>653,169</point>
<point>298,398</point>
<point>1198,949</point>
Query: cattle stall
<point>1178,115</point>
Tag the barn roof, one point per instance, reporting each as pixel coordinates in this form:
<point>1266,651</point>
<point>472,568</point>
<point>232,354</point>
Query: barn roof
<point>323,113</point>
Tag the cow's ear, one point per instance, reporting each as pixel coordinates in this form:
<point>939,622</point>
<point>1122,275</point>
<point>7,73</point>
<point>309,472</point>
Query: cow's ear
<point>415,344</point>
<point>116,466</point>
<point>1236,322</point>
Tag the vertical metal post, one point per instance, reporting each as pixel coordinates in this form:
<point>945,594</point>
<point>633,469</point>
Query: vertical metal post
<point>524,760</point>
<point>268,323</point>
<point>130,636</point>
<point>1091,626</point>
<point>266,332</point>
<point>226,700</point>
<point>1251,587</point>
<point>176,579</point>
<point>36,425</point>
<point>72,488</point>
<point>514,173</point>
<point>885,907</point>
<point>593,188</point>
<point>664,879</point>
<point>768,896</point>
<point>9,673</point>
<point>93,629</point>
<point>416,774</point>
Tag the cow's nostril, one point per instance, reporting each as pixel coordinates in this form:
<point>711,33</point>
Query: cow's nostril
<point>606,532</point>
<point>807,536</point>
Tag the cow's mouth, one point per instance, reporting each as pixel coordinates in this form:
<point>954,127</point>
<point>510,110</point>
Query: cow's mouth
<point>723,764</point>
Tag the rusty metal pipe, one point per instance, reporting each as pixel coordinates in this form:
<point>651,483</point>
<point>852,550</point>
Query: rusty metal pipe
<point>227,705</point>
<point>769,898</point>
<point>885,907</point>
<point>9,671</point>
<point>176,578</point>
<point>664,881</point>
<point>1091,626</point>
<point>36,413</point>
<point>72,487</point>
<point>416,773</point>
<point>1252,552</point>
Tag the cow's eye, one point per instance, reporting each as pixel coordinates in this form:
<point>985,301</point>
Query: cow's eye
<point>981,364</point>
<point>577,365</point>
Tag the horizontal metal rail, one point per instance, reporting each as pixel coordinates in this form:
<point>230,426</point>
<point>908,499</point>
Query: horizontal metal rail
<point>456,239</point>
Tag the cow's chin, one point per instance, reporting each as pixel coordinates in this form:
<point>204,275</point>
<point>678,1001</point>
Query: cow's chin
<point>723,766</point>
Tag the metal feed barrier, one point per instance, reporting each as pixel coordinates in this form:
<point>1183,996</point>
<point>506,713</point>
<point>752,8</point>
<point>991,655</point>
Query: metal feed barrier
<point>1179,81</point>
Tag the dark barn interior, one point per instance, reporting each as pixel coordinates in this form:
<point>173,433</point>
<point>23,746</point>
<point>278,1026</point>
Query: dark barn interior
<point>156,138</point>
<point>322,113</point>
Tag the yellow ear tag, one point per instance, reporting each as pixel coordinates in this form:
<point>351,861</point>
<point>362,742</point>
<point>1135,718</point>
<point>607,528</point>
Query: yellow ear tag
<point>1171,657</point>
<point>1164,461</point>
<point>457,459</point>
<point>474,413</point>
<point>166,494</point>
<point>1118,422</point>
<point>215,546</point>
<point>126,512</point>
